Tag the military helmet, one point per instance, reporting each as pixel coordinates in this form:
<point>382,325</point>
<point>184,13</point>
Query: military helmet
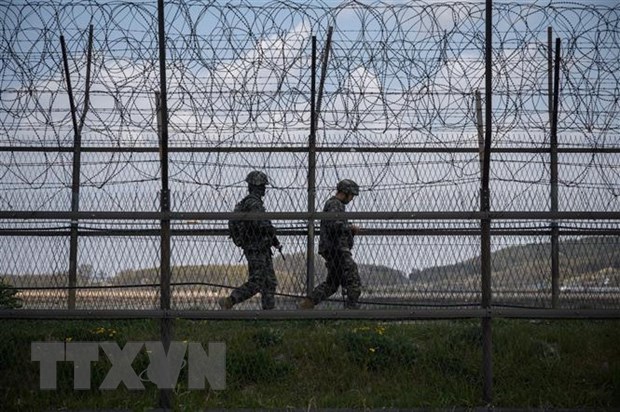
<point>256,178</point>
<point>348,186</point>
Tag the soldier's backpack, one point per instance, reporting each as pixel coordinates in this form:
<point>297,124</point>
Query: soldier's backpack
<point>237,228</point>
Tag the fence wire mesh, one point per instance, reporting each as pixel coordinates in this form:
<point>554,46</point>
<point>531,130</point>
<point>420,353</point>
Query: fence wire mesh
<point>398,115</point>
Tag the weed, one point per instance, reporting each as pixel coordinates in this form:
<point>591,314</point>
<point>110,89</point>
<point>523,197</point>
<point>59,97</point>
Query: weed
<point>376,349</point>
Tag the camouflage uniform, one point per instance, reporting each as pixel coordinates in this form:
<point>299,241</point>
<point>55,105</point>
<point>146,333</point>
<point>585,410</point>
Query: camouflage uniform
<point>260,237</point>
<point>335,244</point>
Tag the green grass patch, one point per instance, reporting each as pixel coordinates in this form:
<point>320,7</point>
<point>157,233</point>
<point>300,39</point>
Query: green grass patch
<point>336,364</point>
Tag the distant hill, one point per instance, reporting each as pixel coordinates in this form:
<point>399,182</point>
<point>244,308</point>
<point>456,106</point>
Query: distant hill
<point>85,275</point>
<point>584,261</point>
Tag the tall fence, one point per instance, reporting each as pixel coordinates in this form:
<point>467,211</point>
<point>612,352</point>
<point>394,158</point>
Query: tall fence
<point>390,95</point>
<point>393,106</point>
<point>117,181</point>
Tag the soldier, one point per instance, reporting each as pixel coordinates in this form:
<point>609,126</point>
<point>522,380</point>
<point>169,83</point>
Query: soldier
<point>335,246</point>
<point>255,237</point>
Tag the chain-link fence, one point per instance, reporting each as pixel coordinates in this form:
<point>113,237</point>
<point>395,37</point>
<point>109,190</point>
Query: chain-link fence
<point>394,105</point>
<point>128,132</point>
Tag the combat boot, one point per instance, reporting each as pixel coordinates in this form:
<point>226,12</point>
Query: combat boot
<point>305,303</point>
<point>225,303</point>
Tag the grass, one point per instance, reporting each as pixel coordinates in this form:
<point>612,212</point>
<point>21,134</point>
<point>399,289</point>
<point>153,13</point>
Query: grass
<point>337,364</point>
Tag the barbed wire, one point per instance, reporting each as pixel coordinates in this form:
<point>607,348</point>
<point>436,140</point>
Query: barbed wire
<point>400,74</point>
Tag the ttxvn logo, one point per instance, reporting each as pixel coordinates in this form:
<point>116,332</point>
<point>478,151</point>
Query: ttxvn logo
<point>163,369</point>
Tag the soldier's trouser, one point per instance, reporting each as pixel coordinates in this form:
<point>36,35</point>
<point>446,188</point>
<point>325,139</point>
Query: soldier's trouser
<point>341,271</point>
<point>261,278</point>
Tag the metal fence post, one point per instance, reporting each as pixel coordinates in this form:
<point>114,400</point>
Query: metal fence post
<point>550,73</point>
<point>165,395</point>
<point>315,110</point>
<point>555,246</point>
<point>485,206</point>
<point>311,174</point>
<point>75,183</point>
<point>75,175</point>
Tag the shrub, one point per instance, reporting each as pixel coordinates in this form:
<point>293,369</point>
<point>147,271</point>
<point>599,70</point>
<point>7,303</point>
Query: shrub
<point>8,300</point>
